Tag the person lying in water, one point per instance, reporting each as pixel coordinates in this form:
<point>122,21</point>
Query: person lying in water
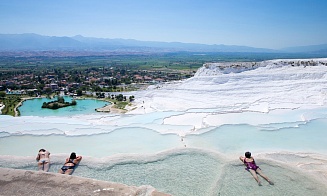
<point>43,159</point>
<point>252,167</point>
<point>70,164</point>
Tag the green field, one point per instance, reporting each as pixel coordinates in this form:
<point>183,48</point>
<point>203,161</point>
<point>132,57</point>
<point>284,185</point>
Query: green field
<point>166,61</point>
<point>10,101</point>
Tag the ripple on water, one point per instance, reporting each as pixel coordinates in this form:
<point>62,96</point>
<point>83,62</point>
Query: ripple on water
<point>189,172</point>
<point>185,173</point>
<point>237,181</point>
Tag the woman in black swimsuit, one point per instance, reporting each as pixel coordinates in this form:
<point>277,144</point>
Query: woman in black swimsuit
<point>70,163</point>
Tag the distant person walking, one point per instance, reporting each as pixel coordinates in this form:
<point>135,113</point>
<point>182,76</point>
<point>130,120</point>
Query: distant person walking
<point>70,164</point>
<point>43,159</point>
<point>252,167</point>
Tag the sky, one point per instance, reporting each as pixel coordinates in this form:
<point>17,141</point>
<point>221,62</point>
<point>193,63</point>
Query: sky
<point>270,24</point>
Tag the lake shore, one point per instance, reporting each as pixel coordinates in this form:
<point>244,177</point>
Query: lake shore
<point>21,103</point>
<point>111,108</point>
<point>107,108</point>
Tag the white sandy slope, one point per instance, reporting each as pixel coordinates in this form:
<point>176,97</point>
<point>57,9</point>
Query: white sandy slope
<point>22,182</point>
<point>265,86</point>
<point>219,92</point>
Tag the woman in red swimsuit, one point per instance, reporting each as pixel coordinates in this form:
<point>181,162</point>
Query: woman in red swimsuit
<point>253,168</point>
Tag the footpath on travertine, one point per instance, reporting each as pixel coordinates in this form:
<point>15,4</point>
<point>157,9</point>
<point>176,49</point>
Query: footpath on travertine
<point>24,182</point>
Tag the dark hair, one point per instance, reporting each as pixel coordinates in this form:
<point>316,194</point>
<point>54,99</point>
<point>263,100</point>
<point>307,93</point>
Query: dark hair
<point>72,155</point>
<point>248,155</point>
<point>42,150</point>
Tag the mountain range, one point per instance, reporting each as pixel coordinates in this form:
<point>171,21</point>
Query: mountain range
<point>29,41</point>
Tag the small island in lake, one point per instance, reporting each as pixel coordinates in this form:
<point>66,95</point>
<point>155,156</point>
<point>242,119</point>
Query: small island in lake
<point>60,103</point>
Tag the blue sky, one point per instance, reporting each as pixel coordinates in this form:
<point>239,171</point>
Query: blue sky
<point>257,23</point>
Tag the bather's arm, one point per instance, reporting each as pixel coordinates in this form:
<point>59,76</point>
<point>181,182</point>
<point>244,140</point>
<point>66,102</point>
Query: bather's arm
<point>78,159</point>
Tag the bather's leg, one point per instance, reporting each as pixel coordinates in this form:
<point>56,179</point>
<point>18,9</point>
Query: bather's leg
<point>255,176</point>
<point>264,176</point>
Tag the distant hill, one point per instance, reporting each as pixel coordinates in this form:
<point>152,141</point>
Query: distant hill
<point>39,42</point>
<point>178,46</point>
<point>35,42</point>
<point>318,49</point>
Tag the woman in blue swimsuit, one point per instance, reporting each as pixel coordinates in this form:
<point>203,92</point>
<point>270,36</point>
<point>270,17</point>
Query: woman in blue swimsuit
<point>70,163</point>
<point>252,167</point>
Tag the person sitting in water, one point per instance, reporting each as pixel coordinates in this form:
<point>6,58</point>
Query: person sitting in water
<point>70,164</point>
<point>43,159</point>
<point>252,167</point>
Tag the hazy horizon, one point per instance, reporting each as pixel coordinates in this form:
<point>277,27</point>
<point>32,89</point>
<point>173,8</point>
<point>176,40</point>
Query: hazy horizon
<point>254,23</point>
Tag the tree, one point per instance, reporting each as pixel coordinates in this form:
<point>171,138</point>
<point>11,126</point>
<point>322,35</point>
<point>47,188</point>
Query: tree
<point>60,99</point>
<point>98,88</point>
<point>30,93</point>
<point>2,94</point>
<point>120,97</point>
<point>77,79</point>
<point>55,106</point>
<point>108,82</point>
<point>79,92</point>
<point>131,98</point>
<point>48,91</point>
<point>44,105</point>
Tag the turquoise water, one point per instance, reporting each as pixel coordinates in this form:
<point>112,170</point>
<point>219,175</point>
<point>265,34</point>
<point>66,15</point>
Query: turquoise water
<point>310,137</point>
<point>121,141</point>
<point>130,149</point>
<point>189,172</point>
<point>184,173</point>
<point>209,164</point>
<point>33,107</point>
<point>110,140</point>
